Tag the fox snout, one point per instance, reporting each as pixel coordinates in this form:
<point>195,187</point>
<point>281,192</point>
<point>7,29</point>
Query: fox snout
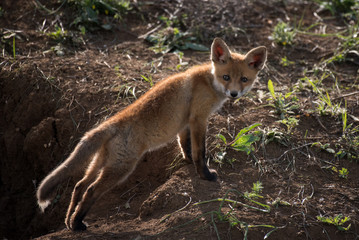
<point>233,94</point>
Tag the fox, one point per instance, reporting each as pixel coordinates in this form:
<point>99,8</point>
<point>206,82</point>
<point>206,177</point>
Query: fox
<point>179,105</point>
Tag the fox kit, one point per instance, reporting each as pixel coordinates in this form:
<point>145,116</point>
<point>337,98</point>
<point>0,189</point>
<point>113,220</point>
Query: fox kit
<point>179,105</point>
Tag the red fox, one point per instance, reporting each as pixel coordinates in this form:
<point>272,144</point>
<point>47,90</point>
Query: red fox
<point>179,105</point>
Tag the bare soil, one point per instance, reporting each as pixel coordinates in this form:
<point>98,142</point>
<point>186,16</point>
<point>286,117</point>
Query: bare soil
<point>48,101</point>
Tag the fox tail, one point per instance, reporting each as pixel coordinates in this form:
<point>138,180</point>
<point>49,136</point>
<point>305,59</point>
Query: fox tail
<point>80,157</point>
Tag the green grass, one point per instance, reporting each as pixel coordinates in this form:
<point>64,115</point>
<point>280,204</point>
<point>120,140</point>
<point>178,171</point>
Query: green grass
<point>348,143</point>
<point>344,8</point>
<point>174,36</point>
<point>230,214</point>
<point>283,34</point>
<point>8,41</point>
<point>92,15</point>
<point>243,142</point>
<point>284,105</point>
<point>338,221</point>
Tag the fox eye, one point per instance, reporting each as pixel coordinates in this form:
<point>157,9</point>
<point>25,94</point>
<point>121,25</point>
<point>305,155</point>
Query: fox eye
<point>226,77</point>
<point>244,79</point>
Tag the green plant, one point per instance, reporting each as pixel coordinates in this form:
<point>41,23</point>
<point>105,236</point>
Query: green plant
<point>337,221</point>
<point>126,91</point>
<point>275,135</point>
<point>285,62</point>
<point>283,34</point>
<point>172,38</point>
<point>13,47</point>
<point>231,216</point>
<point>326,147</point>
<point>8,41</point>
<point>96,14</point>
<point>283,105</point>
<point>290,123</point>
<point>349,141</point>
<point>180,54</point>
<point>348,48</point>
<point>343,173</point>
<point>244,140</point>
<point>346,8</point>
<point>64,37</point>
<point>325,106</point>
<point>148,79</point>
<point>256,191</point>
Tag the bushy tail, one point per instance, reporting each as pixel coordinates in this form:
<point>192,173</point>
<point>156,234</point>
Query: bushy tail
<point>79,158</point>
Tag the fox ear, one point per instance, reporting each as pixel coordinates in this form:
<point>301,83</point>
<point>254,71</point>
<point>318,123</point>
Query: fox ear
<point>256,58</point>
<point>219,51</point>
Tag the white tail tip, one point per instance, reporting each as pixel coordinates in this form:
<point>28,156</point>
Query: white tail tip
<point>44,204</point>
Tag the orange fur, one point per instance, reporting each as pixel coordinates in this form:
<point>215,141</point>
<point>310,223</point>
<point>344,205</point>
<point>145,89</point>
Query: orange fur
<point>179,105</point>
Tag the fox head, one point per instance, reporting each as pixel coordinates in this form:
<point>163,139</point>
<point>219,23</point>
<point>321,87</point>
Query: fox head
<point>234,74</point>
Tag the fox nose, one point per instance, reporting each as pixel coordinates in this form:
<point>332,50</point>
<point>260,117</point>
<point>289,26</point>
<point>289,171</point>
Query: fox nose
<point>234,94</point>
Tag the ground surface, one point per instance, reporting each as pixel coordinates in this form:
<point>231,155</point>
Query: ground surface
<point>48,100</point>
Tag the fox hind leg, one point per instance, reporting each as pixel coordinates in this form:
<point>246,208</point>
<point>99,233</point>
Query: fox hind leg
<point>77,194</point>
<point>184,140</point>
<point>90,176</point>
<point>109,177</point>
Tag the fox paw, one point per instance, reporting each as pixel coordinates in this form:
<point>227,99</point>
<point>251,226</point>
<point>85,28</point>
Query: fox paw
<point>78,226</point>
<point>210,175</point>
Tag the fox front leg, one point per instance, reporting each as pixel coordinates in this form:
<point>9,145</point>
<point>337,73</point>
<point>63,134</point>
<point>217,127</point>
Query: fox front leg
<point>198,145</point>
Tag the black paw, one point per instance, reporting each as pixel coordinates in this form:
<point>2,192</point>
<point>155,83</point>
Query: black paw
<point>210,175</point>
<point>78,226</point>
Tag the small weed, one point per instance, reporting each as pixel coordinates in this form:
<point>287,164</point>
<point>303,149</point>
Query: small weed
<point>348,49</point>
<point>243,141</point>
<point>126,91</point>
<point>8,41</point>
<point>346,8</point>
<point>325,106</point>
<point>231,215</point>
<point>349,141</point>
<point>231,31</point>
<point>283,105</point>
<point>13,47</point>
<point>274,135</point>
<point>148,79</point>
<point>180,54</point>
<point>172,38</point>
<point>325,147</point>
<point>343,173</point>
<point>337,221</point>
<point>290,123</point>
<point>283,34</point>
<point>59,35</point>
<point>64,38</point>
<point>98,14</point>
<point>285,62</point>
<point>256,191</point>
<point>220,158</point>
<point>1,12</point>
<point>280,202</point>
